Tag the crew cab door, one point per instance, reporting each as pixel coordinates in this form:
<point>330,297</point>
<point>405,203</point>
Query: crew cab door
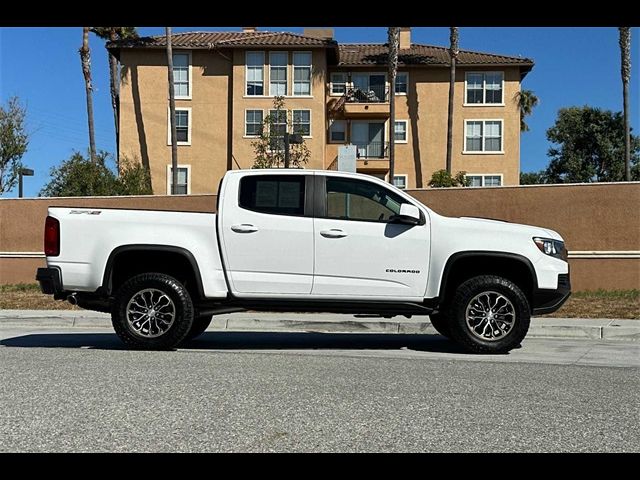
<point>266,232</point>
<point>359,251</point>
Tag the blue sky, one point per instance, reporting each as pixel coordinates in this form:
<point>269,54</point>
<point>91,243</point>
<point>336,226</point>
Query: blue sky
<point>574,66</point>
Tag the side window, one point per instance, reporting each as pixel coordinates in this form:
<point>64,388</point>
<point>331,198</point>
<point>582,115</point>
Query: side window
<point>349,199</point>
<point>273,194</point>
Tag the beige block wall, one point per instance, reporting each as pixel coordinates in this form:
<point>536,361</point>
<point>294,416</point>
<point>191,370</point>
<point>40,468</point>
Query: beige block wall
<point>144,127</point>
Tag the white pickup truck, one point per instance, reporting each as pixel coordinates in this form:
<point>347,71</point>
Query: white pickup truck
<point>304,241</point>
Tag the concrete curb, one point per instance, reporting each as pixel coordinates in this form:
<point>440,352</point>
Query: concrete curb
<point>594,329</point>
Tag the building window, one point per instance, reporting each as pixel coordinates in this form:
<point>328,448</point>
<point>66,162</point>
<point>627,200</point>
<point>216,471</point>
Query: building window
<point>183,187</point>
<point>301,73</point>
<point>253,124</point>
<point>255,73</point>
<point>181,77</point>
<point>183,126</point>
<point>273,194</point>
<point>484,180</point>
<point>400,131</point>
<point>338,131</point>
<point>278,73</point>
<point>278,128</point>
<point>402,83</point>
<point>301,120</point>
<point>483,136</point>
<point>484,88</point>
<point>338,83</point>
<point>400,181</point>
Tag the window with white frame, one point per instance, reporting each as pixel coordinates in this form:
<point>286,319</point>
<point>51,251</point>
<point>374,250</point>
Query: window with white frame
<point>278,128</point>
<point>278,73</point>
<point>181,77</point>
<point>484,180</point>
<point>400,131</point>
<point>301,122</point>
<point>255,73</point>
<point>253,123</point>
<point>483,136</point>
<point>184,180</point>
<point>183,126</point>
<point>400,181</point>
<point>302,73</point>
<point>338,83</point>
<point>338,131</point>
<point>484,87</point>
<point>402,83</point>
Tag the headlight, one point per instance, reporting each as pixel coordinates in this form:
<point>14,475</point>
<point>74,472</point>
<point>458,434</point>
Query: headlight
<point>553,248</point>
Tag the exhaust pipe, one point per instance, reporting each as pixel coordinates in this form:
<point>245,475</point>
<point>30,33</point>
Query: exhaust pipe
<point>72,299</point>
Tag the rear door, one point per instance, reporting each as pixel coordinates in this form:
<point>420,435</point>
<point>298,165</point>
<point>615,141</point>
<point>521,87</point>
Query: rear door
<point>267,233</point>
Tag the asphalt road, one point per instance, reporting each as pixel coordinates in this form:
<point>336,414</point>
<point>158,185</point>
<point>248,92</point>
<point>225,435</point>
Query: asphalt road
<point>70,390</point>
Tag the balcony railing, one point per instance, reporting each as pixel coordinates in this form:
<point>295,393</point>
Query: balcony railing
<point>372,94</point>
<point>372,150</point>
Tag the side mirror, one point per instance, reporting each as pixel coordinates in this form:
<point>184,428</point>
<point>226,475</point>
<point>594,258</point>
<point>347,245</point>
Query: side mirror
<point>409,214</point>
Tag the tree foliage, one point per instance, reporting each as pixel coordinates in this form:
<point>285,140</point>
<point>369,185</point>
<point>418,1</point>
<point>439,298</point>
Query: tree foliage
<point>269,146</point>
<point>588,146</point>
<point>78,176</point>
<point>533,178</point>
<point>527,100</point>
<point>442,178</point>
<point>14,141</point>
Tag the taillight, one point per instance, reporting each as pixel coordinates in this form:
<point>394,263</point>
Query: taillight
<point>51,237</point>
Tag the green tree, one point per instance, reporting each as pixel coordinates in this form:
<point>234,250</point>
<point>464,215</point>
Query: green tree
<point>533,178</point>
<point>78,176</point>
<point>85,60</point>
<point>393,44</point>
<point>453,56</point>
<point>588,146</point>
<point>112,34</point>
<point>625,71</point>
<point>13,143</point>
<point>442,178</point>
<point>527,100</point>
<point>269,146</point>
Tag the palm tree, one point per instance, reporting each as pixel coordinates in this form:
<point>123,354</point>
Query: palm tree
<point>172,113</point>
<point>625,70</point>
<point>394,45</point>
<point>526,101</point>
<point>85,59</point>
<point>453,55</point>
<point>113,34</point>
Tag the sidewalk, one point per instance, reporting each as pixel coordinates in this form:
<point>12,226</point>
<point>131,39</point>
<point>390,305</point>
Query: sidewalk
<point>605,329</point>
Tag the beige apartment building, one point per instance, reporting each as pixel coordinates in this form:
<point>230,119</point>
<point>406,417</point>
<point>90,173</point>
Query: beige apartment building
<point>335,94</point>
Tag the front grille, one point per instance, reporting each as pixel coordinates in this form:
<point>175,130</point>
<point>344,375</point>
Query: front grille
<point>563,280</point>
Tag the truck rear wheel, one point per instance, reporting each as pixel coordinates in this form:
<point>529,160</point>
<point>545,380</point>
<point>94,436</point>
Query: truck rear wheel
<point>489,314</point>
<point>152,311</point>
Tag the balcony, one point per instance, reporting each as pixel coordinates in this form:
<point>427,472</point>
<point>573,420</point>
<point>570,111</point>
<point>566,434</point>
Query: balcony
<point>369,102</point>
<point>372,150</point>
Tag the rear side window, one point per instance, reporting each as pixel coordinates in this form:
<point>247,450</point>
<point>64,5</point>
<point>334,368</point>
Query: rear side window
<point>274,194</point>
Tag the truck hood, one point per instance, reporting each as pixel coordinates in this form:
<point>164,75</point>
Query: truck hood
<point>502,225</point>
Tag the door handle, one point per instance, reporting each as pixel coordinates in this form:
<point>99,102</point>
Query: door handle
<point>244,228</point>
<point>333,233</point>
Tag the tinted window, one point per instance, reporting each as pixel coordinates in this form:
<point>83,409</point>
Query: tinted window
<point>349,199</point>
<point>274,194</point>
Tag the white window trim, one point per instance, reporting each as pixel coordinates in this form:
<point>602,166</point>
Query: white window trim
<point>188,167</point>
<point>293,71</point>
<point>406,129</point>
<point>403,94</point>
<point>245,122</point>
<point>406,180</point>
<point>484,90</point>
<point>189,129</point>
<point>310,121</point>
<point>287,74</point>
<point>190,96</point>
<point>482,175</point>
<point>246,73</point>
<point>338,142</point>
<point>483,152</point>
<point>346,83</point>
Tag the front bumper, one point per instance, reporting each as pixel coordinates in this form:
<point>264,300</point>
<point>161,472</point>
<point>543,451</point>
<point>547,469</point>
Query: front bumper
<point>549,300</point>
<point>50,280</point>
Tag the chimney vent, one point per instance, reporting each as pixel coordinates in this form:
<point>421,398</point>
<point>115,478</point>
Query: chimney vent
<point>405,37</point>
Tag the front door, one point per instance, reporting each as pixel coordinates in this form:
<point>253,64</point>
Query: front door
<point>267,234</point>
<point>359,252</point>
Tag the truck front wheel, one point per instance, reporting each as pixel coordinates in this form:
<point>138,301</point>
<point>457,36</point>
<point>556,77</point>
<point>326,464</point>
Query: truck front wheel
<point>152,311</point>
<point>489,314</point>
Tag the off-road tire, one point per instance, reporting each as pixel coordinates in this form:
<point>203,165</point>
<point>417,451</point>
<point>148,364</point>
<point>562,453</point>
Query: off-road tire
<point>442,323</point>
<point>200,324</point>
